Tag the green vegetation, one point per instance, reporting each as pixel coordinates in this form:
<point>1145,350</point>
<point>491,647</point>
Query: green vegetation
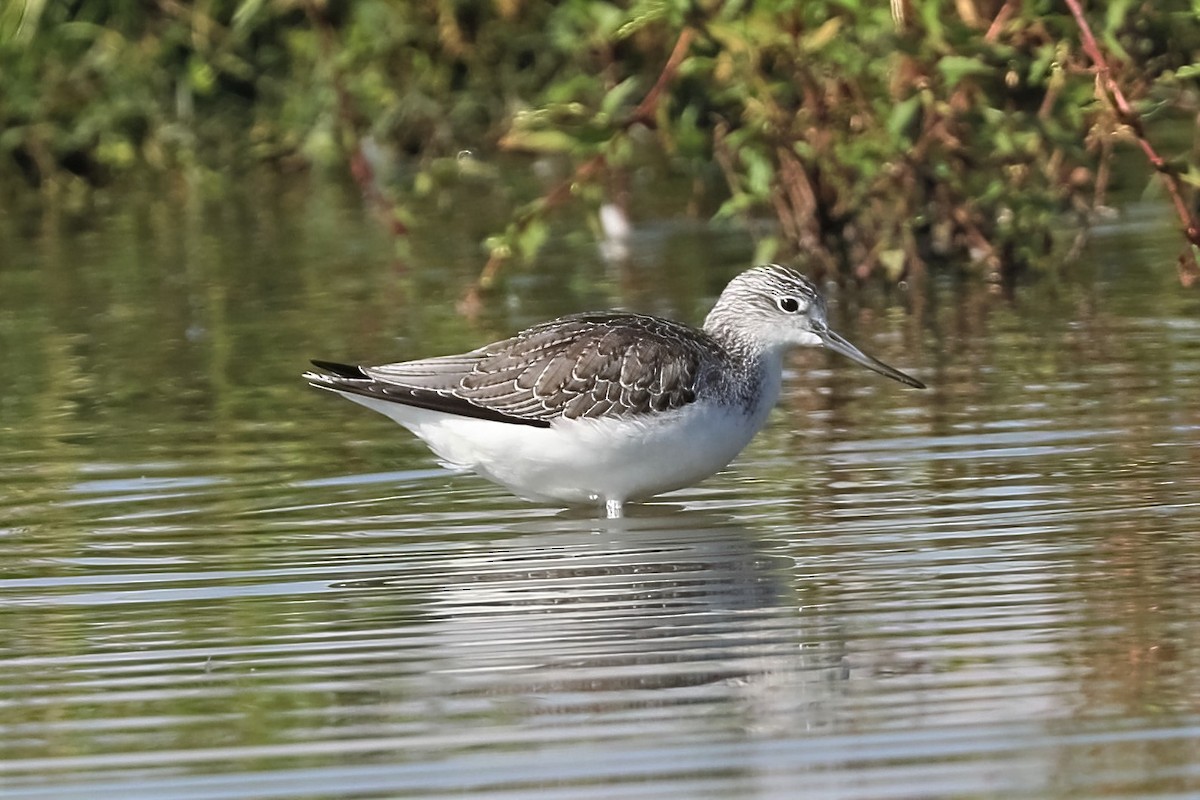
<point>877,139</point>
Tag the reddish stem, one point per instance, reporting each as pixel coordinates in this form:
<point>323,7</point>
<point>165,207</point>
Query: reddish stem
<point>1001,20</point>
<point>1106,82</point>
<point>646,109</point>
<point>360,168</point>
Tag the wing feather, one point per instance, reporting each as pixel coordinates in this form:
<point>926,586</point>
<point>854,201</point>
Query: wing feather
<point>582,366</point>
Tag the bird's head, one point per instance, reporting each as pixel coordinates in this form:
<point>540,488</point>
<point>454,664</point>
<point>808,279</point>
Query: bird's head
<point>777,308</point>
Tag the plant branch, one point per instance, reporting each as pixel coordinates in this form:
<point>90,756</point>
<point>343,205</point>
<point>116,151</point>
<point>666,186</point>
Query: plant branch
<point>471,302</point>
<point>1106,83</point>
<point>1001,19</point>
<point>646,110</point>
<point>644,114</point>
<point>385,208</point>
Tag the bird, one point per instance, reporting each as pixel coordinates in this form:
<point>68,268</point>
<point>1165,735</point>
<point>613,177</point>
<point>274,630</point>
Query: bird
<point>610,407</point>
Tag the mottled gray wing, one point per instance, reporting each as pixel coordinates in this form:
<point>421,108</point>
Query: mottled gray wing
<point>582,366</point>
<point>591,365</point>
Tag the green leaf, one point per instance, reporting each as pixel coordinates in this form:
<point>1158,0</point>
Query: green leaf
<point>540,141</point>
<point>955,68</point>
<point>643,14</point>
<point>1115,15</point>
<point>619,95</point>
<point>892,262</point>
<point>734,206</point>
<point>246,14</point>
<point>759,172</point>
<point>822,36</point>
<point>530,240</point>
<point>766,249</point>
<point>903,114</point>
<point>202,75</point>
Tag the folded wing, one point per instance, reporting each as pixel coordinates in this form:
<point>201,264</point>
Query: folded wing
<point>577,367</point>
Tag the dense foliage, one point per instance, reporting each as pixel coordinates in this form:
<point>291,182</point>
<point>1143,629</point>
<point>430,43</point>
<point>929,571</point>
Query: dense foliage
<point>877,138</point>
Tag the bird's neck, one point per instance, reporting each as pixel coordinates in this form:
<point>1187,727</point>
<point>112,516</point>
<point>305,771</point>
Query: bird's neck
<point>751,373</point>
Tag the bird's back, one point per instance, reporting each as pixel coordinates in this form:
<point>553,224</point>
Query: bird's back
<point>584,366</point>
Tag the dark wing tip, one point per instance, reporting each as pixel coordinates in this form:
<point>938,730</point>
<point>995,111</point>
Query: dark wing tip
<point>340,370</point>
<point>349,379</point>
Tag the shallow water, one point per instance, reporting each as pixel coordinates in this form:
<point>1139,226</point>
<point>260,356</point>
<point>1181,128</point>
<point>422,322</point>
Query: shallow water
<point>217,583</point>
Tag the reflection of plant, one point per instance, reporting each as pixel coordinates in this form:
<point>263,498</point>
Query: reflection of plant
<point>878,138</point>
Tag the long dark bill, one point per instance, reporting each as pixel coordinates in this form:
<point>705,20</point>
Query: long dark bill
<point>839,345</point>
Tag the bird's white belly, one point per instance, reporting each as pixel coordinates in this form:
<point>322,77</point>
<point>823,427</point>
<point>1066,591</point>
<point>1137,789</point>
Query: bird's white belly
<point>576,461</point>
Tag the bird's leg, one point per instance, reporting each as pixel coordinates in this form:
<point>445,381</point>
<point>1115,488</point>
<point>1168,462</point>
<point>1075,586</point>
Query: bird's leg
<point>614,509</point>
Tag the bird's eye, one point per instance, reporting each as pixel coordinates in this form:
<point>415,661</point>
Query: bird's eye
<point>788,305</point>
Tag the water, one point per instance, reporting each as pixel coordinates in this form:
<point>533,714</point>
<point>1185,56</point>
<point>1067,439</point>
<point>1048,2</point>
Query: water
<point>217,583</point>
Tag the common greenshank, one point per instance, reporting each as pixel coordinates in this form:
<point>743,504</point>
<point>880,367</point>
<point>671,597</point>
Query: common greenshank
<point>607,407</point>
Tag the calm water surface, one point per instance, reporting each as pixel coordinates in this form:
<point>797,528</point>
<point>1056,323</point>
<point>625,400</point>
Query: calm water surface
<point>217,583</point>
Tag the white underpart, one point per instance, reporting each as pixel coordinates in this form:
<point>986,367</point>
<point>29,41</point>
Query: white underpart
<point>609,460</point>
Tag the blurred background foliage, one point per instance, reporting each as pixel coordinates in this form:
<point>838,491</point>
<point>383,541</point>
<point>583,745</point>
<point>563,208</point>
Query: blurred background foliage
<point>870,139</point>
